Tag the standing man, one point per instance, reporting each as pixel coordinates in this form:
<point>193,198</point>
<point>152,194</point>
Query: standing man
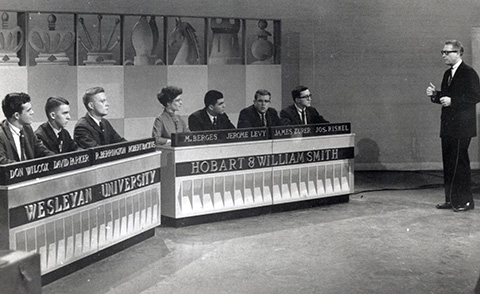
<point>301,112</point>
<point>212,116</point>
<point>93,129</point>
<point>459,93</point>
<point>17,139</point>
<point>260,114</point>
<point>53,133</point>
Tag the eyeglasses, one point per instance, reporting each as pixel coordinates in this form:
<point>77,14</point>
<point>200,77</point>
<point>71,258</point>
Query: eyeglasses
<point>446,52</point>
<point>309,96</point>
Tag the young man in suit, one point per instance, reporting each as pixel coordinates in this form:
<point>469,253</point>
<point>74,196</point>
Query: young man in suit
<point>260,114</point>
<point>18,142</point>
<point>53,133</point>
<point>93,129</point>
<point>212,116</point>
<point>459,93</point>
<point>301,112</point>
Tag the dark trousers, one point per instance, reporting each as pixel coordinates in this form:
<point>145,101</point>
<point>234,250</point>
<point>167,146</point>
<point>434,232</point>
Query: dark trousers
<point>456,171</point>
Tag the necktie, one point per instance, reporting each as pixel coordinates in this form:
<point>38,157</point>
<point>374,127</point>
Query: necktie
<point>304,121</point>
<point>22,146</point>
<point>215,122</point>
<point>101,127</point>
<point>450,77</point>
<point>264,121</point>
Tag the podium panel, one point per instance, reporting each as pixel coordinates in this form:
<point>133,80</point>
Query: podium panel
<point>69,216</point>
<point>226,177</point>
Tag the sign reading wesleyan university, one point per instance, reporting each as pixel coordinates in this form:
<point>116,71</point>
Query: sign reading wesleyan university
<point>71,200</point>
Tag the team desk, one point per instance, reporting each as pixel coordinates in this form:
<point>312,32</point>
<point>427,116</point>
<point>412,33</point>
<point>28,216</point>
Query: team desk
<point>78,207</point>
<point>216,175</point>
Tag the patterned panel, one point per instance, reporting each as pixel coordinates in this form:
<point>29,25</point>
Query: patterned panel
<point>218,193</point>
<point>309,181</point>
<point>64,239</point>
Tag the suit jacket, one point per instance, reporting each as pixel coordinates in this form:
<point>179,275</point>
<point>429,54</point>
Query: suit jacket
<point>88,134</point>
<point>34,148</point>
<point>200,121</point>
<point>290,116</point>
<point>459,120</point>
<point>249,118</point>
<point>61,144</point>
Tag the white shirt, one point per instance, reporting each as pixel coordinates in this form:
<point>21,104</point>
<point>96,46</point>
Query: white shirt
<point>300,114</point>
<point>16,138</point>
<point>455,67</point>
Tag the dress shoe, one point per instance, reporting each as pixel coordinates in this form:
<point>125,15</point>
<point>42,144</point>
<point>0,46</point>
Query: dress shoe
<point>446,205</point>
<point>466,207</point>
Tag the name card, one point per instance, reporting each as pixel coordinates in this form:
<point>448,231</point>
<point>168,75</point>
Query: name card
<point>298,131</point>
<point>122,150</point>
<point>40,167</point>
<point>219,136</point>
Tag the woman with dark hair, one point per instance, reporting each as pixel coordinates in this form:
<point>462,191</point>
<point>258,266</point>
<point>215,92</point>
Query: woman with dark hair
<point>168,122</point>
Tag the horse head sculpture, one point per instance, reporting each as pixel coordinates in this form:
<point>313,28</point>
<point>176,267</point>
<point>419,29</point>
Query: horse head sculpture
<point>189,52</point>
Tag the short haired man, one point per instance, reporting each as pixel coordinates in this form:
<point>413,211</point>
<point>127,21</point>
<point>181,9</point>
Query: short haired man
<point>53,133</point>
<point>93,129</point>
<point>301,112</point>
<point>458,95</point>
<point>212,116</point>
<point>17,140</point>
<point>260,114</point>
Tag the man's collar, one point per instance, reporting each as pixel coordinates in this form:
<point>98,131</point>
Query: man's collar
<point>456,65</point>
<point>54,129</point>
<point>298,108</point>
<point>97,121</point>
<point>14,129</point>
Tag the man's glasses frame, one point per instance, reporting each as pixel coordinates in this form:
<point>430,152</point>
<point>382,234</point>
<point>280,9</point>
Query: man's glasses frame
<point>309,96</point>
<point>446,52</point>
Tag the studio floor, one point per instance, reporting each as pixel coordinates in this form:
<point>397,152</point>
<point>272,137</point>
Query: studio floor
<point>388,238</point>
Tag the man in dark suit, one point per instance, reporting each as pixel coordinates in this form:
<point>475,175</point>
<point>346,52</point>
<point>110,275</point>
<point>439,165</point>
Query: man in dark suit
<point>260,114</point>
<point>17,139</point>
<point>212,116</point>
<point>93,129</point>
<point>459,93</point>
<point>53,133</point>
<point>301,112</point>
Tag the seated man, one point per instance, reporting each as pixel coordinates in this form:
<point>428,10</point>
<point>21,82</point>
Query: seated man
<point>300,112</point>
<point>260,114</point>
<point>212,116</point>
<point>17,140</point>
<point>92,129</point>
<point>53,133</point>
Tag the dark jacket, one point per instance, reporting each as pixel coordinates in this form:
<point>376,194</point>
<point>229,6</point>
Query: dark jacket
<point>250,118</point>
<point>88,134</point>
<point>459,120</point>
<point>61,144</point>
<point>200,121</point>
<point>290,116</point>
<point>34,147</point>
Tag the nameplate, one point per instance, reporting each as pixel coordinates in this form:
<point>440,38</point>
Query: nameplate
<point>72,200</point>
<point>219,165</point>
<point>283,132</point>
<point>106,153</point>
<point>218,137</point>
<point>40,167</point>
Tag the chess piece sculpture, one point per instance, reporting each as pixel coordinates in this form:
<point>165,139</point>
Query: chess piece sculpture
<point>11,41</point>
<point>99,52</point>
<point>225,45</point>
<point>262,48</point>
<point>51,44</point>
<point>189,52</point>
